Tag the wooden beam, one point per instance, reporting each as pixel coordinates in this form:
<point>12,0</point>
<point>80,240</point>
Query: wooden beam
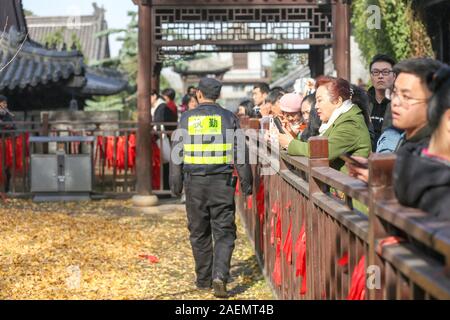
<point>341,31</point>
<point>144,152</point>
<point>237,2</point>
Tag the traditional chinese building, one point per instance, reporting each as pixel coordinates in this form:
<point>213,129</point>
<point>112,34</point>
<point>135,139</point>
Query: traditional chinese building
<point>84,28</point>
<point>34,77</point>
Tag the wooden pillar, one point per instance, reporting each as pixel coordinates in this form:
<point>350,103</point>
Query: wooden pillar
<point>341,33</point>
<point>143,147</point>
<point>316,61</point>
<point>381,167</point>
<point>318,151</point>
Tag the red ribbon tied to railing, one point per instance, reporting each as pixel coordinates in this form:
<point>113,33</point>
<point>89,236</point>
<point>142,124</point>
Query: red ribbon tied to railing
<point>287,247</point>
<point>260,201</point>
<point>105,151</point>
<point>358,284</point>
<point>8,146</point>
<point>300,264</point>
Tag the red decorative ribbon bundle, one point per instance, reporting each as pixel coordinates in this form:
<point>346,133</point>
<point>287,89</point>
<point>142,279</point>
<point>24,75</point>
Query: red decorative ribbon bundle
<point>300,250</point>
<point>358,286</point>
<point>105,152</point>
<point>287,247</point>
<point>260,201</point>
<point>276,275</point>
<point>8,145</point>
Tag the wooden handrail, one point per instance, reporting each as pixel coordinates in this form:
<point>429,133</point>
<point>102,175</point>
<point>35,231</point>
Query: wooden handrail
<point>414,265</point>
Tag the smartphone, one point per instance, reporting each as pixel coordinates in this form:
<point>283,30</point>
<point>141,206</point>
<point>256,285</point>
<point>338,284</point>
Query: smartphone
<point>278,124</point>
<point>347,157</point>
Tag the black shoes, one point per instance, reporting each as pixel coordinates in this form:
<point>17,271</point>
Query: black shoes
<point>220,288</point>
<point>204,287</point>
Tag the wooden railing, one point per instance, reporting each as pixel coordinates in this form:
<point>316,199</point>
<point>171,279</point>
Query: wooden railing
<point>109,180</point>
<point>404,253</point>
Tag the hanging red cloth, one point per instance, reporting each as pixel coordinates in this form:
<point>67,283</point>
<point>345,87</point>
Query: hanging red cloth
<point>110,151</point>
<point>287,247</point>
<point>276,275</point>
<point>120,158</point>
<point>277,269</point>
<point>300,250</point>
<point>358,284</point>
<point>20,141</point>
<point>156,166</point>
<point>260,207</point>
<point>344,260</point>
<point>9,152</point>
<point>275,209</point>
<point>132,151</point>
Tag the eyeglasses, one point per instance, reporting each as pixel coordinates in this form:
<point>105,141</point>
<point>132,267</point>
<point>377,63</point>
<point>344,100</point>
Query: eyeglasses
<point>405,99</point>
<point>384,72</point>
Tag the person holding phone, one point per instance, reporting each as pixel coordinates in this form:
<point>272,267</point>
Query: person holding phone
<point>409,101</point>
<point>345,124</point>
<point>291,116</point>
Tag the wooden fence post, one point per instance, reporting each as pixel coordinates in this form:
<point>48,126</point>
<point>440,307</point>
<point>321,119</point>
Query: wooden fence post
<point>380,189</point>
<point>45,130</point>
<point>318,151</point>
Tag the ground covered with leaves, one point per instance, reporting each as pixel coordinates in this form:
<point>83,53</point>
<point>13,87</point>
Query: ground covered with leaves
<point>105,250</point>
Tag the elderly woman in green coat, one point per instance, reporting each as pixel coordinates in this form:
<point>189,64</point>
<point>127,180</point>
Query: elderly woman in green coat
<point>343,123</point>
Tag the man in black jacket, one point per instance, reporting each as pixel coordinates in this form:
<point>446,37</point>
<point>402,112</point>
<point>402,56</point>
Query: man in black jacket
<point>383,77</point>
<point>409,102</point>
<point>206,150</point>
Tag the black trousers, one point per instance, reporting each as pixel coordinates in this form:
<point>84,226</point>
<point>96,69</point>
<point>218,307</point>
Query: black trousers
<point>211,211</point>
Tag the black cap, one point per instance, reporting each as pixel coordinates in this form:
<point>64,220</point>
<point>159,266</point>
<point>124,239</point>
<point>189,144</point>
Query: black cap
<point>210,88</point>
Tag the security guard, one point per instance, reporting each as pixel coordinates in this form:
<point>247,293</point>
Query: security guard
<point>206,150</point>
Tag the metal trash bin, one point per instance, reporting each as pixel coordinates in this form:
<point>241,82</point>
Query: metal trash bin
<point>62,176</point>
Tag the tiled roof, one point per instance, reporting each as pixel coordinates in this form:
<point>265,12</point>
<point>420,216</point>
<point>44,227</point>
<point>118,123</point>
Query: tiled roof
<point>34,65</point>
<point>27,64</point>
<point>84,27</point>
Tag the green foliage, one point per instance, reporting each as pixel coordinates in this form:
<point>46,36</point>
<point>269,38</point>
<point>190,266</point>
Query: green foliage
<point>126,62</point>
<point>76,41</point>
<point>402,33</point>
<point>56,39</point>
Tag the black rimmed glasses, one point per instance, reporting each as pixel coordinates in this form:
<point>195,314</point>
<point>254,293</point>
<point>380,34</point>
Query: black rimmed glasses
<point>384,72</point>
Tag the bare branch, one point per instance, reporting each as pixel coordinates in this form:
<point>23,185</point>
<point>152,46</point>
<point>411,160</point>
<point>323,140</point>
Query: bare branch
<point>15,55</point>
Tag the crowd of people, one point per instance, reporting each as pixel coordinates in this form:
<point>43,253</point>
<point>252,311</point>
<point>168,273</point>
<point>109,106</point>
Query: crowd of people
<point>405,111</point>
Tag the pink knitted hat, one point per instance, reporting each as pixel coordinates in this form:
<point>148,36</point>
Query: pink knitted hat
<point>291,102</point>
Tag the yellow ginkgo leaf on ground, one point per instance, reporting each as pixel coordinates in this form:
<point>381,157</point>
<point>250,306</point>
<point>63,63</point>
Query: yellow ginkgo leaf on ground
<point>91,251</point>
